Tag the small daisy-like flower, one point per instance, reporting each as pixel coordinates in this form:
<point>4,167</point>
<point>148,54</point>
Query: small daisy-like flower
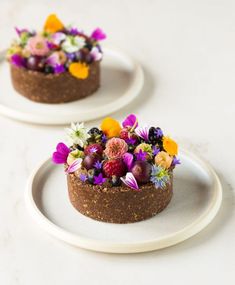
<point>83,177</point>
<point>98,165</point>
<point>37,45</point>
<point>99,180</point>
<point>77,134</point>
<point>159,176</point>
<point>73,44</point>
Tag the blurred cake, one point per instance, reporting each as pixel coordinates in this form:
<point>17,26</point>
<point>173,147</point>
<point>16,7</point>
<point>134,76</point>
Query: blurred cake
<point>57,65</point>
<point>118,173</point>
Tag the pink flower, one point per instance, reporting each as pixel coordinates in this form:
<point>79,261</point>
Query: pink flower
<point>115,148</point>
<point>37,45</point>
<point>56,58</point>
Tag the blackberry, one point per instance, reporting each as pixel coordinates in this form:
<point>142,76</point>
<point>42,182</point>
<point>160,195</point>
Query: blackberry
<point>116,181</point>
<point>95,135</point>
<point>94,131</point>
<point>153,136</point>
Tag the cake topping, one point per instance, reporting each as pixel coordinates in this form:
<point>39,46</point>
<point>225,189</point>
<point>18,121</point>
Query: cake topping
<point>56,49</point>
<point>113,155</point>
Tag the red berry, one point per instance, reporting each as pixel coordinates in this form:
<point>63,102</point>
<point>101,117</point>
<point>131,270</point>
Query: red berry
<point>114,167</point>
<point>89,161</point>
<point>141,170</point>
<point>124,134</point>
<point>94,148</point>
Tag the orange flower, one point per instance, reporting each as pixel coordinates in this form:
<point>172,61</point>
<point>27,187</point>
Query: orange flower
<point>53,24</point>
<point>110,127</point>
<point>170,146</point>
<point>79,70</point>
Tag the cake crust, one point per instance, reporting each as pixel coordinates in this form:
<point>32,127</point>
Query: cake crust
<point>118,204</point>
<point>54,88</point>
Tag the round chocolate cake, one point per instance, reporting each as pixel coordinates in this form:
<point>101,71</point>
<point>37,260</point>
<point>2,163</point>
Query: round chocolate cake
<point>118,173</point>
<point>54,88</point>
<point>118,204</point>
<point>57,65</point>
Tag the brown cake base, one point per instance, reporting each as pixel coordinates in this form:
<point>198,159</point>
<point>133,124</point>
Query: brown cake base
<point>117,204</point>
<point>54,88</point>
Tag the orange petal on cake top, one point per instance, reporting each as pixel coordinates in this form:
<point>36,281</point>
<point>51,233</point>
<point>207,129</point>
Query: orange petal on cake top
<point>53,24</point>
<point>170,146</point>
<point>79,70</point>
<point>110,127</point>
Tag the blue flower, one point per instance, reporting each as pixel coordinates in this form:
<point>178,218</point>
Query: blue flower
<point>98,165</point>
<point>99,180</point>
<point>159,176</point>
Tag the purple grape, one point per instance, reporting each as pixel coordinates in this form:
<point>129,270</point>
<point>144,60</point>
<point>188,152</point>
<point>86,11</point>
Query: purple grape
<point>35,63</point>
<point>89,161</point>
<point>141,170</point>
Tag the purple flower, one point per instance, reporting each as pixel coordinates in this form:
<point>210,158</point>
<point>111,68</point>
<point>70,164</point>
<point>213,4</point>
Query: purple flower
<point>128,160</point>
<point>21,31</point>
<point>141,155</point>
<point>155,150</point>
<point>131,141</point>
<point>98,165</point>
<point>130,181</point>
<point>51,45</point>
<point>74,166</point>
<point>83,177</point>
<point>159,133</point>
<point>98,180</point>
<point>74,31</point>
<point>72,56</point>
<point>59,68</point>
<point>175,161</point>
<point>104,138</point>
<point>130,121</point>
<point>93,149</point>
<point>98,35</point>
<point>61,153</point>
<point>143,132</point>
<point>18,60</point>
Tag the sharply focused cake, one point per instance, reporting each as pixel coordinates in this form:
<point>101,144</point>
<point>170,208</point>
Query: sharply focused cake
<point>59,64</point>
<point>118,173</point>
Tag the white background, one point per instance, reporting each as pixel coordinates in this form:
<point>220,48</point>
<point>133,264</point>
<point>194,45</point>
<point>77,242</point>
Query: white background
<point>187,49</point>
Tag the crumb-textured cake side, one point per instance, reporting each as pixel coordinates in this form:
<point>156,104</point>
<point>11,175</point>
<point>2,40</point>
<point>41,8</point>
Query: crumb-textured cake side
<point>118,204</point>
<point>54,88</point>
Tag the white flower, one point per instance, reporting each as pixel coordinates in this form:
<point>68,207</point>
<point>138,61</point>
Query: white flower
<point>73,44</point>
<point>77,134</point>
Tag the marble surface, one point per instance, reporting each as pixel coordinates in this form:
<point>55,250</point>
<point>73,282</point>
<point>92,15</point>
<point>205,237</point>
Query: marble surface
<point>187,51</point>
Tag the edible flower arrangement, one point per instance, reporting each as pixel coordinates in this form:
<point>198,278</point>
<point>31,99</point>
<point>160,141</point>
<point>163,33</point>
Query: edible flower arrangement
<point>117,154</point>
<point>56,49</point>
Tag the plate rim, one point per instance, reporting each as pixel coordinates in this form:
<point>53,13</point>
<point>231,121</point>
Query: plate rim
<point>128,247</point>
<point>127,97</point>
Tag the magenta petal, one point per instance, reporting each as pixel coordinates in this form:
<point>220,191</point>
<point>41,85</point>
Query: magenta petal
<point>130,181</point>
<point>130,121</point>
<point>17,60</point>
<point>98,35</point>
<point>62,148</point>
<point>58,158</point>
<point>128,160</point>
<point>74,166</point>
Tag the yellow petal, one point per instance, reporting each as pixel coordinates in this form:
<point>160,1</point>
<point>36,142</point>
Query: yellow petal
<point>170,146</point>
<point>79,70</point>
<point>110,127</point>
<point>53,24</point>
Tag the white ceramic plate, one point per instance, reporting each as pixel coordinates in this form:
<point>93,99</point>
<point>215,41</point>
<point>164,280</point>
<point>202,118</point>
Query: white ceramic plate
<point>196,200</point>
<point>121,81</point>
